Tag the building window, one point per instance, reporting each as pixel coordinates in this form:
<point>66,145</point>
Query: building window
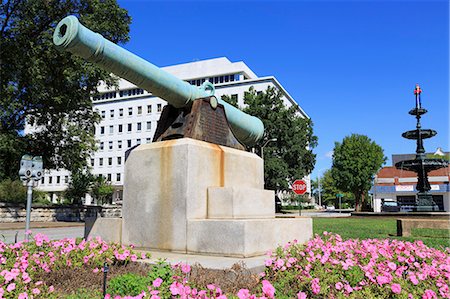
<point>119,160</point>
<point>148,140</point>
<point>120,128</point>
<point>138,141</point>
<point>149,108</point>
<point>58,179</point>
<point>100,161</point>
<point>66,179</point>
<point>111,114</point>
<point>109,177</point>
<point>92,161</point>
<point>50,179</point>
<point>149,125</point>
<point>111,129</point>
<point>42,180</point>
<point>159,107</point>
<point>119,144</point>
<point>110,145</point>
<point>130,111</point>
<point>109,161</point>
<point>102,145</point>
<point>118,177</point>
<point>103,114</point>
<point>129,127</point>
<point>139,127</point>
<point>129,142</point>
<point>102,130</point>
<point>139,110</point>
<point>120,112</point>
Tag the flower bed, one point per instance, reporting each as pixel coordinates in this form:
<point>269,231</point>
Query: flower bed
<point>325,267</point>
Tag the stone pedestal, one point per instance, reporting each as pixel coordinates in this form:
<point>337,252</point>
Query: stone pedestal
<point>190,196</point>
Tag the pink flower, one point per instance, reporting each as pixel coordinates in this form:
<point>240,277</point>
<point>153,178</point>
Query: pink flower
<point>392,266</point>
<point>95,270</point>
<point>157,282</point>
<point>268,289</point>
<point>429,294</point>
<point>396,288</point>
<point>23,296</point>
<point>301,295</point>
<point>36,291</point>
<point>107,296</point>
<point>315,286</point>
<point>339,286</point>
<point>243,294</point>
<point>11,287</point>
<point>185,268</point>
<point>51,289</point>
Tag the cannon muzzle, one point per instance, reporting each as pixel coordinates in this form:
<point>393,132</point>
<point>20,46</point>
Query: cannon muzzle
<point>72,36</point>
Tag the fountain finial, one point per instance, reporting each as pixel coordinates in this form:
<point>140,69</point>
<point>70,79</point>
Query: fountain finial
<point>417,92</point>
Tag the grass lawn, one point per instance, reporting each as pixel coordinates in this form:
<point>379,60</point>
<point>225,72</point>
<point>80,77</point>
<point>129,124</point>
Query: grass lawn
<point>379,228</point>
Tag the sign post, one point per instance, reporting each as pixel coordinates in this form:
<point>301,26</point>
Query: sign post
<point>299,187</point>
<point>340,195</point>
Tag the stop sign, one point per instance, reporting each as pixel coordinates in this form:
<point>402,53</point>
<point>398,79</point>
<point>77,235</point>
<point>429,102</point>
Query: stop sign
<point>299,187</point>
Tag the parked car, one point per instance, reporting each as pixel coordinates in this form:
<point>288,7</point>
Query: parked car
<point>390,206</point>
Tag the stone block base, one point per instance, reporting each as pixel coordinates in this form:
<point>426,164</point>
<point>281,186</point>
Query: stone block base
<point>109,229</point>
<point>235,202</point>
<point>244,237</point>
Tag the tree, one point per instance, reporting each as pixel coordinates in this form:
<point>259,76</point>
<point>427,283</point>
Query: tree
<point>49,89</point>
<point>355,162</point>
<point>79,185</point>
<point>328,190</point>
<point>290,157</point>
<point>101,190</point>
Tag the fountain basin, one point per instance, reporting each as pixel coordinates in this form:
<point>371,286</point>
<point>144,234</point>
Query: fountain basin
<point>417,164</point>
<point>424,134</point>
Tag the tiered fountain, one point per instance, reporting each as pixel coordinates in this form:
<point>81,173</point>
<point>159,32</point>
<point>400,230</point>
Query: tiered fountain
<point>421,165</point>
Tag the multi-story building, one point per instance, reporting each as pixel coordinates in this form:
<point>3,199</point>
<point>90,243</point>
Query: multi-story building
<point>129,116</point>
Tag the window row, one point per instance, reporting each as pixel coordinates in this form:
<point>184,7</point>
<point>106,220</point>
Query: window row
<point>215,80</point>
<point>107,161</point>
<point>129,127</point>
<point>122,93</point>
<point>57,179</point>
<point>120,143</point>
<point>130,111</point>
<point>108,177</point>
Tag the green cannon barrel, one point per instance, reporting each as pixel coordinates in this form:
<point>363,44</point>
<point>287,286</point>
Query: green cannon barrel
<point>72,36</point>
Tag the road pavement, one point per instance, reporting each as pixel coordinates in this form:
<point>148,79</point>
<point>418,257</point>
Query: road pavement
<point>54,233</point>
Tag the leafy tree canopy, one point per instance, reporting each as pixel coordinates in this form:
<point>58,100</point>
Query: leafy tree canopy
<point>47,88</point>
<point>290,157</point>
<point>79,185</point>
<point>101,190</point>
<point>328,190</point>
<point>355,162</point>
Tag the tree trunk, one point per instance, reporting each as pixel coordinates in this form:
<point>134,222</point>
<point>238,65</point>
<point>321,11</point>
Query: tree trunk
<point>357,201</point>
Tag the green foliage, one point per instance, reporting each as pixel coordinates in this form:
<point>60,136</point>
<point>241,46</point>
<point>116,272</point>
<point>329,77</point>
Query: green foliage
<point>233,101</point>
<point>128,284</point>
<point>101,190</point>
<point>83,293</point>
<point>355,162</point>
<point>162,270</point>
<point>13,191</point>
<point>79,185</point>
<point>446,157</point>
<point>290,157</point>
<point>329,190</point>
<point>47,88</point>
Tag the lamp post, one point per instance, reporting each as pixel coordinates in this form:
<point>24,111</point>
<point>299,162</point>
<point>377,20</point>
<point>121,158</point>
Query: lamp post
<point>265,144</point>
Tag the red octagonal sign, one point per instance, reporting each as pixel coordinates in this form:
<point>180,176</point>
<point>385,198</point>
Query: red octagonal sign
<point>299,187</point>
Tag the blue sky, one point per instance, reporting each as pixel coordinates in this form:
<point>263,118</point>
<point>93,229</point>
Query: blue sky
<point>351,65</point>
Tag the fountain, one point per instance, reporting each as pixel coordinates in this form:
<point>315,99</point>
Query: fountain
<point>421,165</point>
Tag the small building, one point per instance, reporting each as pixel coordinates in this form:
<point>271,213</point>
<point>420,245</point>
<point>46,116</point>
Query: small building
<point>392,185</point>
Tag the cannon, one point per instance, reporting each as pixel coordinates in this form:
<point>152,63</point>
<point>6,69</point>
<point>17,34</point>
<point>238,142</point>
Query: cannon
<point>193,111</point>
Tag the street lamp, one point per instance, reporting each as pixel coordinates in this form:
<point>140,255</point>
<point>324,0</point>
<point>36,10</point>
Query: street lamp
<point>265,144</point>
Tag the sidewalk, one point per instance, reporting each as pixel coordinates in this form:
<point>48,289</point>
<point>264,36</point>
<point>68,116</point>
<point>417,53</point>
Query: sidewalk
<point>21,225</point>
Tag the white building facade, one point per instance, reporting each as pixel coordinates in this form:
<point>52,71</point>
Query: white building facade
<point>129,116</point>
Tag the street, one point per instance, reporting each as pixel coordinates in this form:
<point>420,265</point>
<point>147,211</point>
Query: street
<point>53,233</point>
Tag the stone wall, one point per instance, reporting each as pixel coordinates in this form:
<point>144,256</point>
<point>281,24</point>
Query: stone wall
<point>39,213</point>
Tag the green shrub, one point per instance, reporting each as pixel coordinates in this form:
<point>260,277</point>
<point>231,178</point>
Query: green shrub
<point>128,284</point>
<point>84,294</point>
<point>164,271</point>
<point>13,191</point>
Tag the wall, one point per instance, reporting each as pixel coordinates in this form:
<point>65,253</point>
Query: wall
<point>17,213</point>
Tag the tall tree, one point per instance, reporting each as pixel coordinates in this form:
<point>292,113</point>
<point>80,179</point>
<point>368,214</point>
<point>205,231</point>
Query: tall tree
<point>101,190</point>
<point>49,89</point>
<point>290,157</point>
<point>355,162</point>
<point>328,189</point>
